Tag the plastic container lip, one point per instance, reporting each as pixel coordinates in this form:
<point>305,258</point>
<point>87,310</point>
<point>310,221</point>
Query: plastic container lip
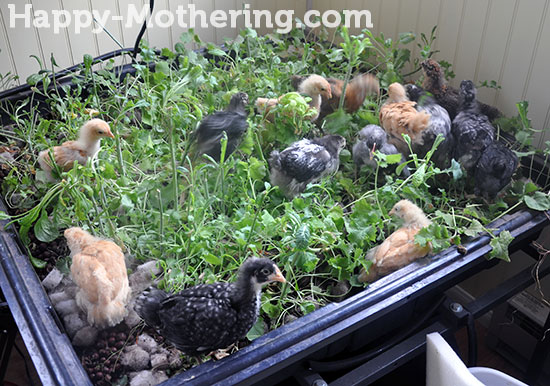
<point>492,377</point>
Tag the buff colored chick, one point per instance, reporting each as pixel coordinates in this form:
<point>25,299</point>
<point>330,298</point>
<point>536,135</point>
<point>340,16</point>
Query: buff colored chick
<point>80,150</point>
<point>99,271</point>
<point>315,86</point>
<point>398,115</point>
<point>399,249</point>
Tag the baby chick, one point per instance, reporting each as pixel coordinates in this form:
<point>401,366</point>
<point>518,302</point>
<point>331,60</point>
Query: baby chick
<point>494,170</point>
<point>314,86</point>
<point>471,129</point>
<point>398,115</point>
<point>304,162</point>
<point>356,92</point>
<point>208,317</point>
<point>446,95</point>
<point>371,138</point>
<point>440,123</point>
<point>231,121</point>
<point>80,150</point>
<point>399,249</point>
<point>99,271</point>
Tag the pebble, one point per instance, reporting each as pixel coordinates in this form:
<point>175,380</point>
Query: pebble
<point>135,358</point>
<point>132,319</point>
<point>142,277</point>
<point>73,323</point>
<point>66,307</point>
<point>147,378</point>
<point>59,297</point>
<point>52,280</point>
<point>160,361</point>
<point>87,336</point>
<point>147,343</point>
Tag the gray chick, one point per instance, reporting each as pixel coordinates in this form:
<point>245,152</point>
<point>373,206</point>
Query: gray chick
<point>440,123</point>
<point>494,170</point>
<point>370,139</point>
<point>304,162</point>
<point>471,129</point>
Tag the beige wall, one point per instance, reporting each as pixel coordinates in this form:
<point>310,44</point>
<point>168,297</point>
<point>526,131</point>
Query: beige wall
<point>502,40</point>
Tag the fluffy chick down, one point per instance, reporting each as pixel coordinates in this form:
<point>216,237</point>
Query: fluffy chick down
<point>99,270</point>
<point>399,116</point>
<point>84,147</point>
<point>399,249</point>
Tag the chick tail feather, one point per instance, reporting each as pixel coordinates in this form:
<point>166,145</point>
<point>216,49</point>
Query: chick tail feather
<point>275,160</point>
<point>358,89</point>
<point>148,304</point>
<point>372,273</point>
<point>44,161</point>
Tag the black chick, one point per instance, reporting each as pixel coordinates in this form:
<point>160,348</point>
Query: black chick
<point>304,162</point>
<point>370,139</point>
<point>494,170</point>
<point>208,317</point>
<point>440,123</point>
<point>471,129</point>
<point>448,96</point>
<point>232,121</point>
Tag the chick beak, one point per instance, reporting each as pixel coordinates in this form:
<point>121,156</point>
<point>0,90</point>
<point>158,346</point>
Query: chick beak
<point>277,276</point>
<point>392,212</point>
<point>372,151</point>
<point>328,93</point>
<point>110,134</point>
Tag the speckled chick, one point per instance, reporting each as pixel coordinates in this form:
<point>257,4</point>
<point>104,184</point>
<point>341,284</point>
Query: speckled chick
<point>370,139</point>
<point>80,150</point>
<point>494,170</point>
<point>471,129</point>
<point>399,249</point>
<point>440,123</point>
<point>99,271</point>
<point>231,121</point>
<point>208,317</point>
<point>398,116</point>
<point>304,162</point>
<point>315,86</point>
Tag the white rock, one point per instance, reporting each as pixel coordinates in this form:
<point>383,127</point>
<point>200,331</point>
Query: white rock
<point>67,307</point>
<point>160,361</point>
<point>52,280</point>
<point>59,297</point>
<point>85,337</point>
<point>142,277</point>
<point>147,343</point>
<point>147,378</point>
<point>73,323</point>
<point>135,358</point>
<point>132,319</point>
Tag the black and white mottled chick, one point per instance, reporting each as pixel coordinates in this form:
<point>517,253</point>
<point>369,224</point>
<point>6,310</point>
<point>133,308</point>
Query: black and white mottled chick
<point>232,121</point>
<point>208,317</point>
<point>471,129</point>
<point>304,162</point>
<point>370,139</point>
<point>494,170</point>
<point>440,123</point>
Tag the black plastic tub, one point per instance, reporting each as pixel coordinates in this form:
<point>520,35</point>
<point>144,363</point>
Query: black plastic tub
<point>348,326</point>
<point>277,355</point>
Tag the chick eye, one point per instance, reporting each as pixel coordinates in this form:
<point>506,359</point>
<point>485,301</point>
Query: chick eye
<point>265,272</point>
<point>100,131</point>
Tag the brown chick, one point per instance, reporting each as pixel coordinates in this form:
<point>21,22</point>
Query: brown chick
<point>80,150</point>
<point>314,86</point>
<point>356,92</point>
<point>99,271</point>
<point>398,115</point>
<point>399,249</point>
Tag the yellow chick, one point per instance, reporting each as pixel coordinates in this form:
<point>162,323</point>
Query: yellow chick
<point>399,249</point>
<point>314,86</point>
<point>99,271</point>
<point>80,150</point>
<point>398,115</point>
